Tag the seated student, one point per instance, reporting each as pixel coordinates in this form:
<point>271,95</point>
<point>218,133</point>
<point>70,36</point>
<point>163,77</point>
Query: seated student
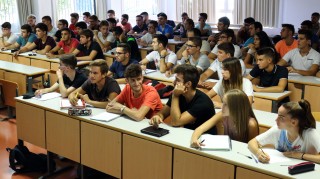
<point>180,28</point>
<point>187,106</point>
<point>238,121</point>
<point>194,32</point>
<point>99,88</point>
<point>31,20</point>
<point>80,26</point>
<point>136,100</point>
<point>69,78</point>
<point>38,45</point>
<point>146,39</point>
<point>225,50</point>
<point>93,23</point>
<point>112,23</point>
<point>163,27</point>
<point>223,24</point>
<point>139,29</point>
<point>26,38</point>
<point>267,74</point>
<point>123,60</point>
<point>261,40</point>
<point>145,17</point>
<point>163,58</point>
<point>66,45</point>
<point>304,60</point>
<point>51,29</point>
<point>288,42</point>
<point>88,47</point>
<point>124,24</point>
<point>204,28</point>
<point>295,134</point>
<point>193,56</point>
<point>74,18</point>
<point>307,25</point>
<point>7,37</point>
<point>225,36</point>
<point>120,36</point>
<point>104,37</point>
<point>231,79</point>
<point>62,24</point>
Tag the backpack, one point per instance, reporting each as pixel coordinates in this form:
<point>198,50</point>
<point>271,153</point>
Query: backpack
<point>21,160</point>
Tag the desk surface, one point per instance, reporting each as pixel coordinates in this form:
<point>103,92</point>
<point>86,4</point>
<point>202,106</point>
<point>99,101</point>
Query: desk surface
<point>22,69</point>
<point>306,80</point>
<point>272,96</point>
<point>175,42</point>
<point>179,138</point>
<point>157,75</point>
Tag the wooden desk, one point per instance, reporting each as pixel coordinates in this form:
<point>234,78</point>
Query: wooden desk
<point>172,44</point>
<point>268,101</point>
<point>157,75</point>
<point>169,156</point>
<point>6,55</point>
<point>22,74</point>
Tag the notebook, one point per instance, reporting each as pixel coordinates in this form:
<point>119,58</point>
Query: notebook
<point>105,117</point>
<point>216,142</point>
<point>65,104</point>
<point>47,96</point>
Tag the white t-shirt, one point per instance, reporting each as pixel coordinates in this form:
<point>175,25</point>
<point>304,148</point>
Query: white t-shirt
<point>205,47</point>
<point>294,58</point>
<point>53,31</point>
<point>155,56</point>
<point>110,38</point>
<point>148,37</point>
<point>206,26</point>
<point>237,51</point>
<point>11,40</point>
<point>202,63</point>
<point>216,66</point>
<point>309,143</point>
<point>246,88</point>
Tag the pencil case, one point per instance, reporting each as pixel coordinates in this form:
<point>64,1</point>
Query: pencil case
<point>301,167</point>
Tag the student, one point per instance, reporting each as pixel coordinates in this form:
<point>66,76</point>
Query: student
<point>243,33</point>
<point>295,134</point>
<point>74,18</point>
<point>163,27</point>
<point>62,23</point>
<point>145,16</point>
<point>121,37</point>
<point>104,37</point>
<point>288,42</point>
<point>223,24</point>
<point>123,60</point>
<point>231,79</point>
<point>112,14</point>
<point>140,29</point>
<point>136,100</point>
<point>66,45</point>
<point>238,121</point>
<point>93,23</point>
<point>193,56</point>
<point>225,50</point>
<point>163,58</point>
<point>187,106</point>
<point>267,76</point>
<point>88,47</point>
<point>38,45</point>
<point>112,23</point>
<point>31,20</point>
<point>204,28</point>
<point>124,24</point>
<point>304,60</point>
<point>146,39</point>
<point>69,78</point>
<point>26,38</point>
<point>7,38</point>
<point>99,88</point>
<point>181,26</point>
<point>85,17</point>
<point>307,25</point>
<point>51,29</point>
<point>225,36</point>
<point>261,40</point>
<point>80,26</point>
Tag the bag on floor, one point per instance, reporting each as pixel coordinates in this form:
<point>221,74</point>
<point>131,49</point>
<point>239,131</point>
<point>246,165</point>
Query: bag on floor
<point>21,160</point>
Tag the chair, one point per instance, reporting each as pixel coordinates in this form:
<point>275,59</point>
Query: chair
<point>9,90</point>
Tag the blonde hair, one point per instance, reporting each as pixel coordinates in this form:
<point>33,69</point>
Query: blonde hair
<point>235,81</point>
<point>240,111</point>
<point>100,63</point>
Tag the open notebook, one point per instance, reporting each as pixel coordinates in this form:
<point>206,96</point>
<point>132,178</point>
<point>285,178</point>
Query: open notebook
<point>105,117</point>
<point>65,104</point>
<point>216,142</point>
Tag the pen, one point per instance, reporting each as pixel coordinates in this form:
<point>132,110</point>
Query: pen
<point>244,155</point>
<point>77,94</point>
<point>256,160</point>
<point>262,151</point>
<point>202,141</point>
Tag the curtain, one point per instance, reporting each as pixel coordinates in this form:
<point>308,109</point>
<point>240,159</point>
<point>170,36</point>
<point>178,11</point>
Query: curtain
<point>101,9</point>
<point>24,9</point>
<point>195,7</point>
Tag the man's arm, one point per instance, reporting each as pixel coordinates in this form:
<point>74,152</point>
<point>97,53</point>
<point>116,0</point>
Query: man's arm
<point>98,104</point>
<point>273,89</point>
<point>178,118</point>
<point>212,56</point>
<point>54,87</point>
<point>45,50</point>
<point>311,72</point>
<point>90,57</point>
<point>282,62</point>
<point>204,76</point>
<point>144,61</point>
<point>12,46</point>
<point>180,51</point>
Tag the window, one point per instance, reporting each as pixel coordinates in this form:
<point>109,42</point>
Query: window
<point>65,7</point>
<point>135,7</point>
<point>8,9</point>
<point>224,8</point>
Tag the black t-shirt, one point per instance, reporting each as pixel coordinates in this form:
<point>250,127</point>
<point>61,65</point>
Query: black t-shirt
<point>78,80</point>
<point>139,30</point>
<point>270,79</point>
<point>110,86</point>
<point>200,107</point>
<point>93,46</point>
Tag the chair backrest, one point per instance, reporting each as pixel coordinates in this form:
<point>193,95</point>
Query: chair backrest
<point>9,90</point>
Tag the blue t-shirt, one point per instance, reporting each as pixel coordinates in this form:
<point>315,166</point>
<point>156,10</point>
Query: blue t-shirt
<point>118,69</point>
<point>166,30</point>
<point>22,41</point>
<point>249,41</point>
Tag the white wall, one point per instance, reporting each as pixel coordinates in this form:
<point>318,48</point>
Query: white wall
<point>296,11</point>
<point>42,8</point>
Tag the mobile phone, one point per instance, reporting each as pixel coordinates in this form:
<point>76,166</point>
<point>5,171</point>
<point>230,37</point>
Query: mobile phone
<point>158,132</point>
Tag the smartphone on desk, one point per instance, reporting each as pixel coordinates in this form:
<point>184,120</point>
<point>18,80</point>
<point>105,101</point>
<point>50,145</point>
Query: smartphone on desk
<point>158,132</point>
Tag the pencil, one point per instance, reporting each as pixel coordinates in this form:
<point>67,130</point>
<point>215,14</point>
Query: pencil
<point>77,94</point>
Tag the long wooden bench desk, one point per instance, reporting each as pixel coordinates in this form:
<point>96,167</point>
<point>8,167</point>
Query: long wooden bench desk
<point>22,74</point>
<point>121,150</point>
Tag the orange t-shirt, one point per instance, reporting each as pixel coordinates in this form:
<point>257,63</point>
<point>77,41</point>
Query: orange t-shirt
<point>149,97</point>
<point>282,48</point>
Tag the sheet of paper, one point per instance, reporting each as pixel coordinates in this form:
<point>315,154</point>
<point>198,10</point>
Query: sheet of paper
<point>48,96</point>
<point>215,142</point>
<point>105,117</point>
<point>276,156</point>
<point>65,103</point>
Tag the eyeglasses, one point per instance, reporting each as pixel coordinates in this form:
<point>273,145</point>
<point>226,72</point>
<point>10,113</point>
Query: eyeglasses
<point>5,29</point>
<point>190,46</point>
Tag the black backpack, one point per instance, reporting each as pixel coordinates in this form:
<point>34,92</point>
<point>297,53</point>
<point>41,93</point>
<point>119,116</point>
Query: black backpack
<point>21,160</point>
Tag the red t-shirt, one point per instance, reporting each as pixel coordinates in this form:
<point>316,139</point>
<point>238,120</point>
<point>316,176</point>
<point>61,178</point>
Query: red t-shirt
<point>149,97</point>
<point>73,28</point>
<point>66,48</point>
